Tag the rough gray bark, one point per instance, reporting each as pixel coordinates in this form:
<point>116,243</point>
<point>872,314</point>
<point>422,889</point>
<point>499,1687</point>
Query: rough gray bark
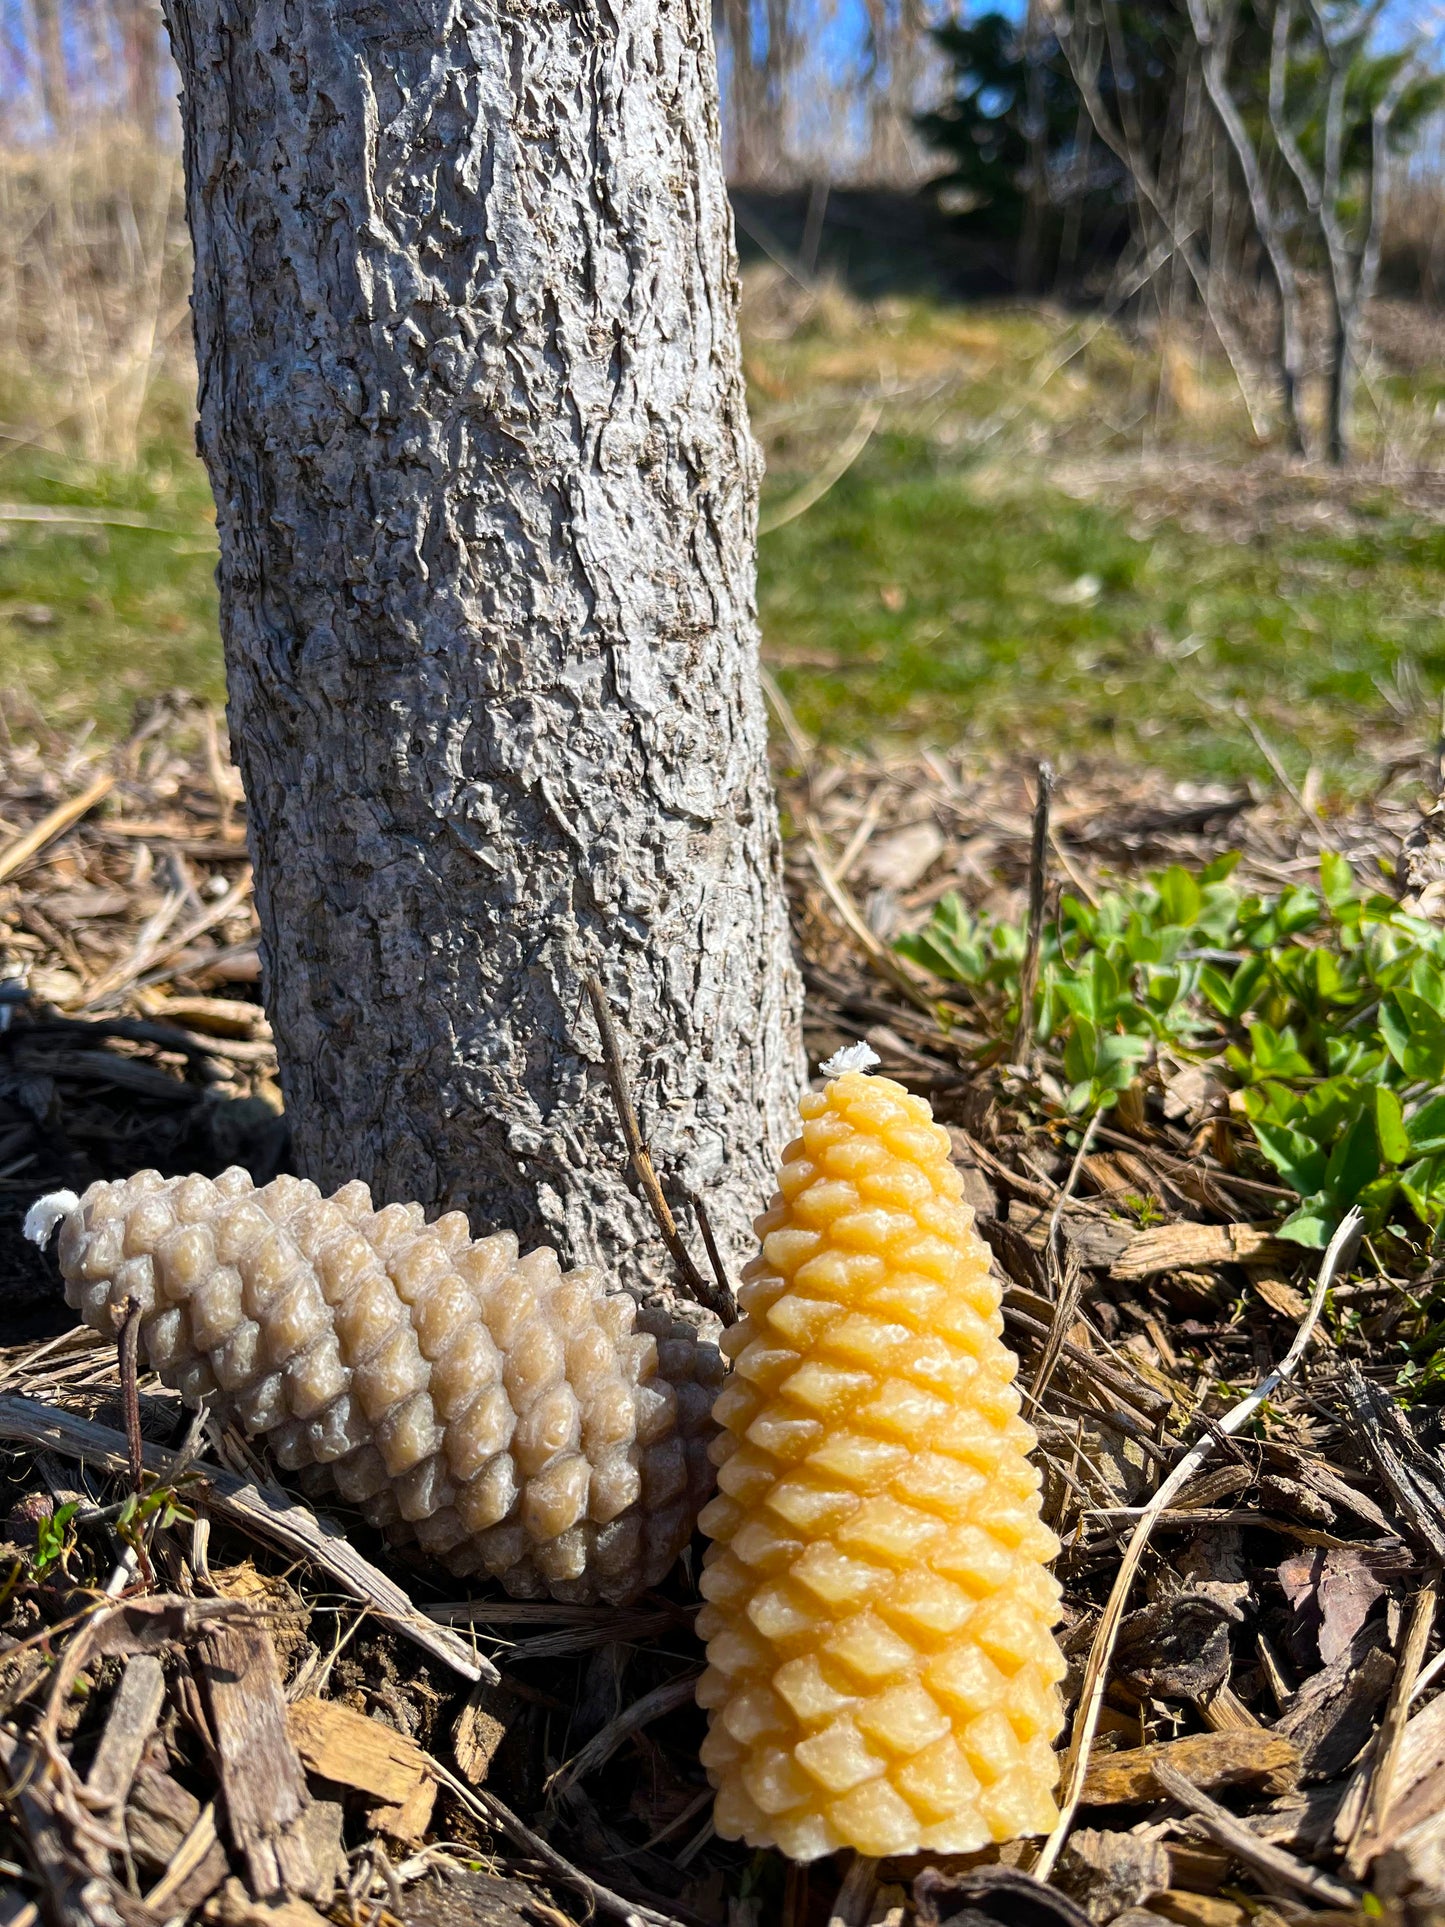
<point>471,401</point>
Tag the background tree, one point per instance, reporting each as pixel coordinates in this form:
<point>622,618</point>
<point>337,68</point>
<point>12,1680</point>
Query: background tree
<point>1360,112</point>
<point>1085,119</point>
<point>472,407</point>
<point>1022,145</point>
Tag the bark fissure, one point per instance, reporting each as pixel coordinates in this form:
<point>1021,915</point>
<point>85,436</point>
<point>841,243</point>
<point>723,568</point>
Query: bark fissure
<point>471,401</point>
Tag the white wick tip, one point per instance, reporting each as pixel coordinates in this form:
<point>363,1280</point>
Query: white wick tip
<point>853,1057</point>
<point>46,1213</point>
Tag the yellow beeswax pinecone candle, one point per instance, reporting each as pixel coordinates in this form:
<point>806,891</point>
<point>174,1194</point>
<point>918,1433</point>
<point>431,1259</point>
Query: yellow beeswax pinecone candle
<point>881,1667</point>
<point>514,1419</point>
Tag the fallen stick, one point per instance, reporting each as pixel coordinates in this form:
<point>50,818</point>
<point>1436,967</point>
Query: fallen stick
<point>717,1298</point>
<point>486,1807</point>
<point>1091,1695</point>
<point>134,1711</point>
<point>161,950</point>
<point>1038,879</point>
<point>1381,1769</point>
<point>256,1507</point>
<point>1271,1861</point>
<point>60,818</point>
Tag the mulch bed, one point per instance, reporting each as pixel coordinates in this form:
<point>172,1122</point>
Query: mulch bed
<point>212,1708</point>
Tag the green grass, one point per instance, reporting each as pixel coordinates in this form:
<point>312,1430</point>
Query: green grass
<point>93,618</point>
<point>959,610</point>
<point>945,588</point>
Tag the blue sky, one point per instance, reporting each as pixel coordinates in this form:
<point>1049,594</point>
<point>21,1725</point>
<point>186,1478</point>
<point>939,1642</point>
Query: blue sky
<point>1401,19</point>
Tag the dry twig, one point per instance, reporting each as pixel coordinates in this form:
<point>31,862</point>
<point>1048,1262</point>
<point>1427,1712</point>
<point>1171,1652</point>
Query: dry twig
<point>1273,1862</point>
<point>19,853</point>
<point>698,1288</point>
<point>1091,1694</point>
<point>1413,1643</point>
<point>255,1507</point>
<point>1038,877</point>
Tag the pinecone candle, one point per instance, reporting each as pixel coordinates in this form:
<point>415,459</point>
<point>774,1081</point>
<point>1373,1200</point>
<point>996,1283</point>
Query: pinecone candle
<point>881,1671</point>
<point>514,1419</point>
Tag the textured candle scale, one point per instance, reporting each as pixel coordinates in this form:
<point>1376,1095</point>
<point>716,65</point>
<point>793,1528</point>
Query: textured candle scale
<point>881,1667</point>
<point>514,1419</point>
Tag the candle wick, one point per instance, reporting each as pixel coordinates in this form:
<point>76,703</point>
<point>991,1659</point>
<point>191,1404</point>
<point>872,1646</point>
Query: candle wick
<point>46,1213</point>
<point>853,1057</point>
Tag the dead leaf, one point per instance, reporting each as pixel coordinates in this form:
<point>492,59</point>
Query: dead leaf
<point>1107,1872</point>
<point>1177,1648</point>
<point>898,861</point>
<point>1333,1594</point>
<point>1192,1094</point>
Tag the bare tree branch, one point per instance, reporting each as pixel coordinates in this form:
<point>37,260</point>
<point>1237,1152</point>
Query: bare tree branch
<point>1353,272</point>
<point>1214,47</point>
<point>1085,74</point>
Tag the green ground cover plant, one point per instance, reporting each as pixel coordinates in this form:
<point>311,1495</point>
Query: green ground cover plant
<point>1320,1012</point>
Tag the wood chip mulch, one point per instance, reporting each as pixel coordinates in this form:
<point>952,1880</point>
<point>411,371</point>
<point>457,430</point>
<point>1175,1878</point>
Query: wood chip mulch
<point>213,1708</point>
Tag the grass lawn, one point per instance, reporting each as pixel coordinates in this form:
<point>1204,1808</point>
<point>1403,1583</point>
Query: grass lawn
<point>97,614</point>
<point>927,599</point>
<point>1050,542</point>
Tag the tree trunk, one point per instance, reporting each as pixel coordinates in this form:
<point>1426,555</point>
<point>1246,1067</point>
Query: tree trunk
<point>1343,350</point>
<point>1036,204</point>
<point>472,405</point>
<point>141,38</point>
<point>50,63</point>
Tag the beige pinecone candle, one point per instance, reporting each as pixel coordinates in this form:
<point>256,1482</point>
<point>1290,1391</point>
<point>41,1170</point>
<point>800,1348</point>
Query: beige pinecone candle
<point>881,1670</point>
<point>516,1420</point>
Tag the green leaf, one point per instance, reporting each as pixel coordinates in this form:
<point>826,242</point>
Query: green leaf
<point>1244,987</point>
<point>1312,1225</point>
<point>1414,1035</point>
<point>1428,983</point>
<point>948,945</point>
<point>1337,881</point>
<point>52,1538</point>
<point>1394,1139</point>
<point>1297,1158</point>
<point>1427,1127</point>
<point>1180,899</point>
<point>1276,1053</point>
<point>1423,1185</point>
<point>1355,1159</point>
<point>1395,1031</point>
